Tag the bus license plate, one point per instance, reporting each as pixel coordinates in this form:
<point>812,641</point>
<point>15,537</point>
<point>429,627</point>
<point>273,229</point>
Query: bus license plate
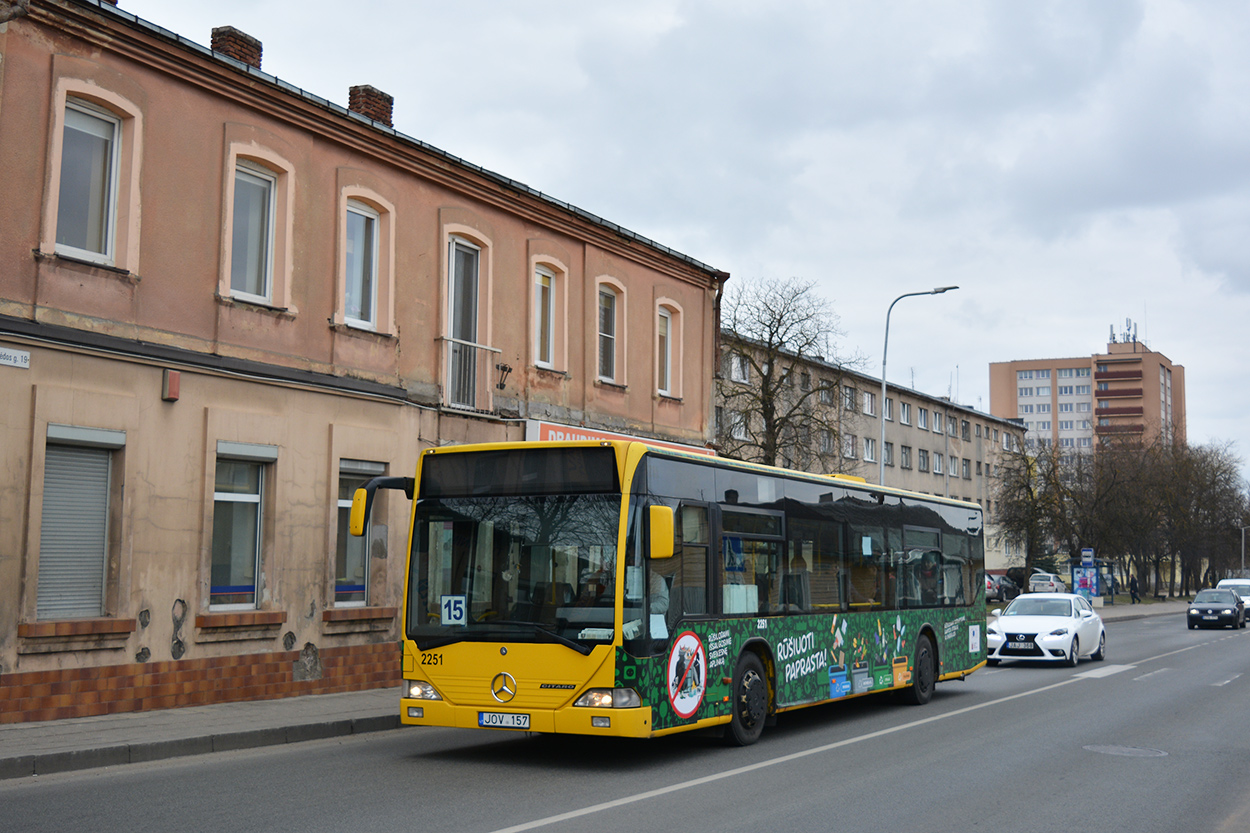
<point>1020,646</point>
<point>502,720</point>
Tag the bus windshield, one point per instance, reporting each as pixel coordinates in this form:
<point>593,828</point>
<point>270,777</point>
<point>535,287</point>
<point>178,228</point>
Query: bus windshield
<point>519,568</point>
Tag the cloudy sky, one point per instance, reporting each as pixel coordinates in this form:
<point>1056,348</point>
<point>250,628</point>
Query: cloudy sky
<point>1068,165</point>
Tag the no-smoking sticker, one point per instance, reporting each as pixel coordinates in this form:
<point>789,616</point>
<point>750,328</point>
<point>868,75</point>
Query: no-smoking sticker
<point>687,680</point>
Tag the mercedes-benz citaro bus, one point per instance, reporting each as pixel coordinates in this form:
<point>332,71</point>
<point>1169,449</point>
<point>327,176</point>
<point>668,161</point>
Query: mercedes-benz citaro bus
<point>622,589</point>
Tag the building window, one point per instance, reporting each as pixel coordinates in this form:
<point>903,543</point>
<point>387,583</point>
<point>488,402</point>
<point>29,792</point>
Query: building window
<point>938,462</point>
<point>849,442</point>
<point>463,280</point>
<point>609,312</point>
<point>361,266</point>
<point>1025,409</point>
<point>544,316</point>
<point>889,409</point>
<point>1065,425</point>
<point>738,427</point>
<point>1043,426</point>
<point>848,398</point>
<point>664,352</point>
<point>1024,374</point>
<point>826,441</point>
<point>965,429</point>
<point>826,392</point>
<point>922,460</point>
<point>1043,408</point>
<point>1065,407</point>
<point>937,422</point>
<point>74,529</point>
<point>351,557</point>
<point>1082,372</point>
<point>1044,390</point>
<point>870,403</point>
<point>1043,374</point>
<point>978,468</point>
<point>1064,372</point>
<point>888,453</point>
<point>922,418</point>
<point>87,204</point>
<point>1024,391</point>
<point>904,456</point>
<point>737,368</point>
<point>1084,442</point>
<point>904,413</point>
<point>237,514</point>
<point>952,427</point>
<point>870,450</point>
<point>251,249</point>
<point>967,469</point>
<point>805,380</point>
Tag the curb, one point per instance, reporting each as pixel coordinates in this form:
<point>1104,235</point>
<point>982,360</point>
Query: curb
<point>132,753</point>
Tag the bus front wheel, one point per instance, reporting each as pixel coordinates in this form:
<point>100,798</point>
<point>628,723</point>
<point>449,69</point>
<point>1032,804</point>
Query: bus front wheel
<point>924,674</point>
<point>749,700</point>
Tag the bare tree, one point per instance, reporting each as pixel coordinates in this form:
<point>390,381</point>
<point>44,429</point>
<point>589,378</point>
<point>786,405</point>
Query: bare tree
<point>779,386</point>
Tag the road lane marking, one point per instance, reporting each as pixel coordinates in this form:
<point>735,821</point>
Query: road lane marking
<point>1105,671</point>
<point>1226,682</point>
<point>783,759</point>
<point>1151,674</point>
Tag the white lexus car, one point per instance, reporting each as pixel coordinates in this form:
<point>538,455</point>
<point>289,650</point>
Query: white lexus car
<point>1053,627</point>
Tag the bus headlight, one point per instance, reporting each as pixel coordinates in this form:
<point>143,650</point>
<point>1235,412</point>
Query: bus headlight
<point>419,690</point>
<point>609,698</point>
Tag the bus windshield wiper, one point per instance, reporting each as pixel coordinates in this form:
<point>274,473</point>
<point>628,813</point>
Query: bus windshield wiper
<point>538,629</point>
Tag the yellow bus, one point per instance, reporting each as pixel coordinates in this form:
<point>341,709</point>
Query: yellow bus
<point>622,589</point>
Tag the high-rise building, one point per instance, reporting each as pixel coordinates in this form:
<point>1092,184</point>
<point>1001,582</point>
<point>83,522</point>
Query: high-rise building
<point>1130,391</point>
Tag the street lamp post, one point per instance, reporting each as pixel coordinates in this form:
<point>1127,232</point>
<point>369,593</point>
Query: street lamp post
<point>881,451</point>
<point>1243,551</point>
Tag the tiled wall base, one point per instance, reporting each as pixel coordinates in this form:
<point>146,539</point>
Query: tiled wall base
<point>82,692</point>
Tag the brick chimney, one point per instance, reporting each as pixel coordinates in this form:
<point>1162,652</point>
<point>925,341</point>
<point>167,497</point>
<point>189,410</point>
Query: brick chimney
<point>371,103</point>
<point>238,45</point>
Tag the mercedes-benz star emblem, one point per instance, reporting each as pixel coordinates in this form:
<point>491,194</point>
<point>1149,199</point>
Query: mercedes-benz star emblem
<point>503,687</point>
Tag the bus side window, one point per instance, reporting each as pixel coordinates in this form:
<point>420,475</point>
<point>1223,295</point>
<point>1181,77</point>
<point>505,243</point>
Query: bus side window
<point>686,571</point>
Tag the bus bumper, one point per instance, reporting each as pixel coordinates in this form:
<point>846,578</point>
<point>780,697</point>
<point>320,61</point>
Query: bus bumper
<point>626,723</point>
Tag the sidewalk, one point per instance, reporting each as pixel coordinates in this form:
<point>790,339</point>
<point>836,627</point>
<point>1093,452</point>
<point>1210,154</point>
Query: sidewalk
<point>87,742</point>
<point>83,743</point>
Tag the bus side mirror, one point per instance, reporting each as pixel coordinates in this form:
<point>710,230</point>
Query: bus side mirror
<point>661,518</point>
<point>362,500</point>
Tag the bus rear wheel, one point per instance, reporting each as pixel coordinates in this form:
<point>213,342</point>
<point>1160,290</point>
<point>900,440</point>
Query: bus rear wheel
<point>924,675</point>
<point>749,701</point>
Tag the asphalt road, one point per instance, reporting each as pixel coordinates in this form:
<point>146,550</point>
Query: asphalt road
<point>1153,739</point>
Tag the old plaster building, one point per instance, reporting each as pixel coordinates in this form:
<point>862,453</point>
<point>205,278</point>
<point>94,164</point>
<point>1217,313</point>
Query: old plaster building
<point>224,303</point>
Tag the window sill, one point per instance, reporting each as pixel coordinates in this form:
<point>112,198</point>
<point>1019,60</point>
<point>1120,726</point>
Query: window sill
<point>604,383</point>
<point>256,306</point>
<point>60,258</point>
<point>343,620</point>
<point>238,626</point>
<point>665,397</point>
<point>551,371</point>
<point>102,634</point>
<point>357,331</point>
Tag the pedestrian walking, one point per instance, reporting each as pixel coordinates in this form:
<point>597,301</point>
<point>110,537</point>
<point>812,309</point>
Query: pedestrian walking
<point>1132,590</point>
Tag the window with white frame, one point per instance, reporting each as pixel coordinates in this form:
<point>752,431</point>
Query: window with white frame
<point>870,449</point>
<point>463,280</point>
<point>87,202</point>
<point>1024,391</point>
<point>1024,374</point>
<point>1082,390</point>
<point>1043,408</point>
<point>870,403</point>
<point>889,408</point>
<point>904,456</point>
<point>351,556</point>
<point>664,332</point>
<point>251,249</point>
<point>826,441</point>
<point>738,426</point>
<point>739,368</point>
<point>1065,372</point>
<point>922,460</point>
<point>937,422</point>
<point>904,413</point>
<point>954,466</point>
<point>849,441</point>
<point>922,418</point>
<point>361,272</point>
<point>607,334</point>
<point>888,454</point>
<point>78,491</point>
<point>544,316</point>
<point>848,398</point>
<point>937,462</point>
<point>237,521</point>
<point>1044,390</point>
<point>1082,371</point>
<point>826,392</point>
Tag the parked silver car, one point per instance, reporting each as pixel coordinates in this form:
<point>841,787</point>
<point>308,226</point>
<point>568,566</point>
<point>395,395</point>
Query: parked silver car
<point>1046,583</point>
